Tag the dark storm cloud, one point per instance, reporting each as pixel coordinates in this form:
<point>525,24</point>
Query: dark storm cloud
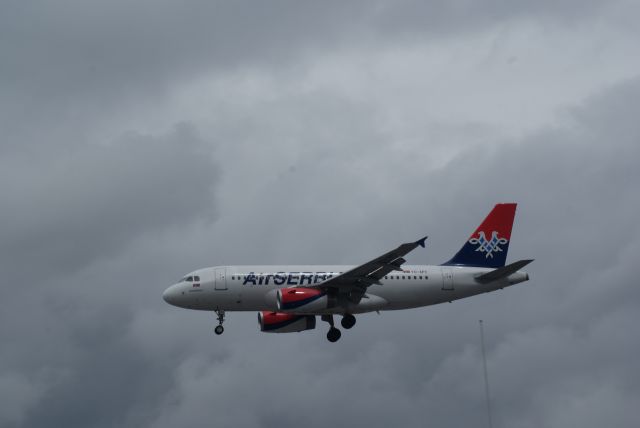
<point>64,211</point>
<point>68,66</point>
<point>64,214</point>
<point>73,66</point>
<point>74,60</point>
<point>106,202</point>
<point>460,16</point>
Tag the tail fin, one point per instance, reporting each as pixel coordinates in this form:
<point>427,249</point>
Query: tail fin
<point>489,244</point>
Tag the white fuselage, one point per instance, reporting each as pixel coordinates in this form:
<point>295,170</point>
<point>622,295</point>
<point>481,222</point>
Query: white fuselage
<point>253,288</point>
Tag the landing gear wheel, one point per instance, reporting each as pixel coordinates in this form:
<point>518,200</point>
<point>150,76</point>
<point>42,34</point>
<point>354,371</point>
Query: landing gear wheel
<point>220,315</point>
<point>348,321</point>
<point>333,335</point>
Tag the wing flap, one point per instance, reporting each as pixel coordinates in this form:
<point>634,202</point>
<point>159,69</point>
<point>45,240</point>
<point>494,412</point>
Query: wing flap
<point>354,282</point>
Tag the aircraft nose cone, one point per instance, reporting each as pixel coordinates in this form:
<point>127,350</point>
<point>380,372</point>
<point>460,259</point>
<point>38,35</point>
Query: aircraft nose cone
<point>169,295</point>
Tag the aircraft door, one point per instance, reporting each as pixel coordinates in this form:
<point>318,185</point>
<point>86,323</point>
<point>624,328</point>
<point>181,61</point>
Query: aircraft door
<point>221,279</point>
<point>447,278</point>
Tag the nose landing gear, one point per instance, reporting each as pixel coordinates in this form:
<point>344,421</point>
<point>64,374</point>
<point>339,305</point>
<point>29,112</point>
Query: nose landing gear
<point>219,328</point>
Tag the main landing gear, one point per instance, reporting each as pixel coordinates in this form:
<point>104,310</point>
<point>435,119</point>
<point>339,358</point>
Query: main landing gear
<point>334,334</point>
<point>348,321</point>
<point>219,328</point>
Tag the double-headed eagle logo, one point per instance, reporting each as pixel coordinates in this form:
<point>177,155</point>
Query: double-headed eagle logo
<point>488,246</point>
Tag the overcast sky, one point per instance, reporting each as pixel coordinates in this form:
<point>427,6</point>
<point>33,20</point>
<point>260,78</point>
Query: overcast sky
<point>143,139</point>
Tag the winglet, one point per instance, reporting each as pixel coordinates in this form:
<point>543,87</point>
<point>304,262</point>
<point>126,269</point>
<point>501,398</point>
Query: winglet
<point>421,241</point>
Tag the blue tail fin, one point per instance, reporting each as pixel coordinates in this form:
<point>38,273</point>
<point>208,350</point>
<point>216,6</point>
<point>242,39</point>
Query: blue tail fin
<point>489,244</point>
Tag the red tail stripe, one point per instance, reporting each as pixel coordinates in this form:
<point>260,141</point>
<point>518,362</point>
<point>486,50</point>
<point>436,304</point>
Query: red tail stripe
<point>500,219</point>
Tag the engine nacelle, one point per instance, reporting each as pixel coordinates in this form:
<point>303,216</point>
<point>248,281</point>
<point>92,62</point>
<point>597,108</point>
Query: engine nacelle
<point>278,322</point>
<point>301,300</point>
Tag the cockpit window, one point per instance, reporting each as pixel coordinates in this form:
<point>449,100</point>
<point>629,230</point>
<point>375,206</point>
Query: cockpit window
<point>196,278</point>
<point>189,279</point>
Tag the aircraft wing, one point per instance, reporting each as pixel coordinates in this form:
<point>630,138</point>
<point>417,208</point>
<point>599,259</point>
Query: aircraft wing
<point>354,282</point>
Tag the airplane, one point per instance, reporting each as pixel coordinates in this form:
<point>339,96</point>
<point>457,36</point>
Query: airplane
<point>289,298</point>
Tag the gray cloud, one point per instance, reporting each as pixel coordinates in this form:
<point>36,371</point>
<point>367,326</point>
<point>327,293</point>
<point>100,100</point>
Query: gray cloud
<point>562,347</point>
<point>74,61</point>
<point>537,349</point>
<point>65,211</point>
<point>312,134</point>
<point>455,17</point>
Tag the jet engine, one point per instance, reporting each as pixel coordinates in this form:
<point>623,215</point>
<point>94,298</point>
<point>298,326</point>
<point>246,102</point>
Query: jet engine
<point>278,322</point>
<point>303,300</point>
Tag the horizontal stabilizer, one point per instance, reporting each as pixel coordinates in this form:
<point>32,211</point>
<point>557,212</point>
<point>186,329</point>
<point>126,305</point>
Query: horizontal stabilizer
<point>502,272</point>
